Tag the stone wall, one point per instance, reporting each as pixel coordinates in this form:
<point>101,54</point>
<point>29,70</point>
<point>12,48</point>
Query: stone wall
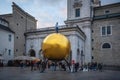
<point>19,21</point>
<point>108,56</point>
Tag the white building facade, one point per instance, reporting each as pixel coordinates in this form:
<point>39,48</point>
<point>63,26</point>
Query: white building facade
<point>86,21</point>
<point>6,41</point>
<point>79,16</point>
<point>74,34</point>
<point>77,29</point>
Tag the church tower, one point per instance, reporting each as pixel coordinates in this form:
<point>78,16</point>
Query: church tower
<point>77,9</point>
<point>79,13</point>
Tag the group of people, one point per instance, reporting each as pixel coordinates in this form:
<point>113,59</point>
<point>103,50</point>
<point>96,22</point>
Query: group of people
<point>34,65</point>
<point>63,66</point>
<point>92,66</point>
<point>41,66</point>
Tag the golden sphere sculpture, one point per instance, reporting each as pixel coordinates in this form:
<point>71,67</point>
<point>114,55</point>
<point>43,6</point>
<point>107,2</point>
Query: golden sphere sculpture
<point>56,47</point>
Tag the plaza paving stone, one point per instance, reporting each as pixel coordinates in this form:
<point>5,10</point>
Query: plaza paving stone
<point>16,73</point>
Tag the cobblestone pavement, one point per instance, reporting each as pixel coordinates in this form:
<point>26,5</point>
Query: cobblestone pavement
<point>16,73</point>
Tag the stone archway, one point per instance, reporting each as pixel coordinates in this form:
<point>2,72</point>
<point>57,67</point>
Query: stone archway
<point>32,53</point>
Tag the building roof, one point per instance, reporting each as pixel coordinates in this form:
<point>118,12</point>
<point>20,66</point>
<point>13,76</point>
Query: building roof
<point>109,15</point>
<point>15,5</point>
<point>62,28</point>
<point>3,20</point>
<point>6,28</point>
<point>107,6</point>
<point>5,15</point>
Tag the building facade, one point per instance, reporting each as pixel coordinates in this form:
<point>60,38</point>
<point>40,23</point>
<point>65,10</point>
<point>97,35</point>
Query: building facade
<point>6,41</point>
<point>74,34</point>
<point>93,31</point>
<point>105,34</point>
<point>79,14</point>
<point>19,21</point>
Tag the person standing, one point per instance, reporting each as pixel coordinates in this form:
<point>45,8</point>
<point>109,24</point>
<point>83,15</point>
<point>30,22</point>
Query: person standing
<point>76,66</point>
<point>32,65</point>
<point>100,67</point>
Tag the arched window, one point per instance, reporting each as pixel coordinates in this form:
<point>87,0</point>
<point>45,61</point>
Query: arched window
<point>106,45</point>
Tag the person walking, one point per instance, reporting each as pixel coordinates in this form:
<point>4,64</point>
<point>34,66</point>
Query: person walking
<point>43,66</point>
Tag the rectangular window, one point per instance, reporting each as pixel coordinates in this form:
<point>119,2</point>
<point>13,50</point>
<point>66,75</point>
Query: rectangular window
<point>107,11</point>
<point>10,37</point>
<point>77,12</point>
<point>103,30</point>
<point>106,30</point>
<point>16,50</point>
<point>9,52</point>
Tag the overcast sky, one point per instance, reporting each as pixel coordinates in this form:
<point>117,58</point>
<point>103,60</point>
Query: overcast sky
<point>47,12</point>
